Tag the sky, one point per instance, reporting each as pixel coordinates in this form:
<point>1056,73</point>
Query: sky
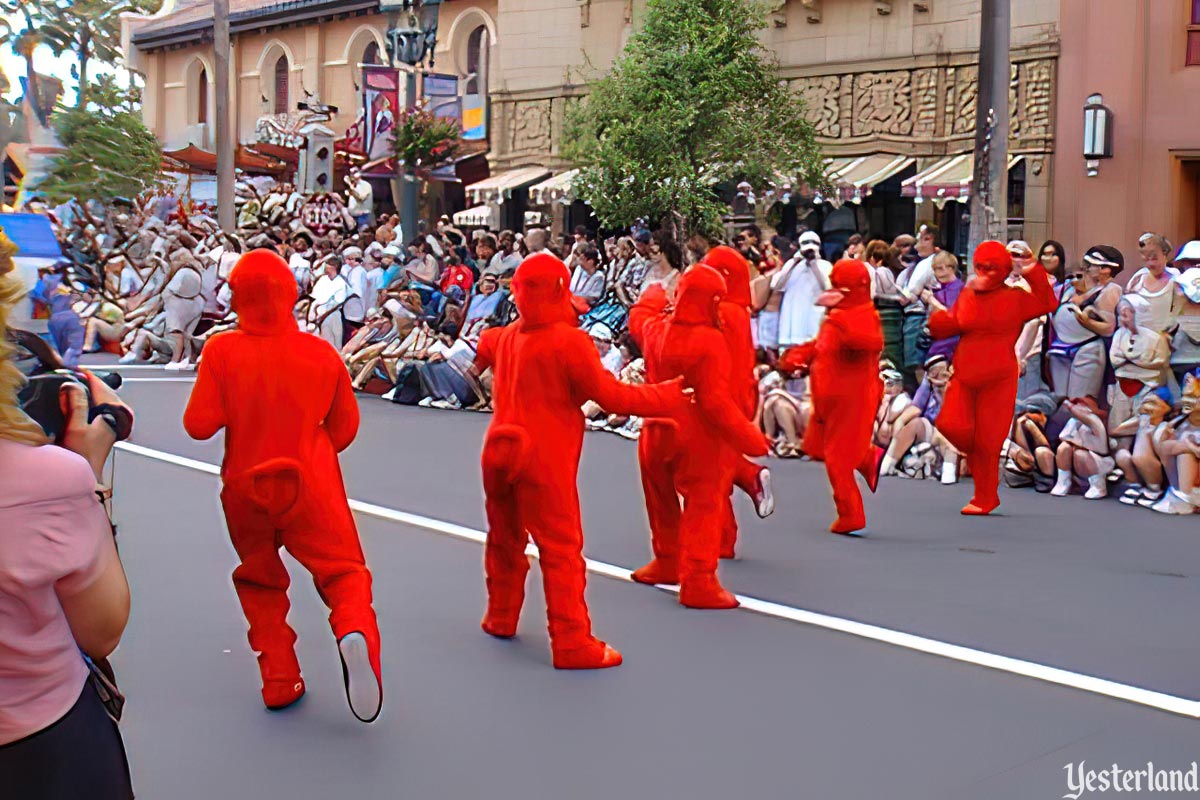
<point>45,62</point>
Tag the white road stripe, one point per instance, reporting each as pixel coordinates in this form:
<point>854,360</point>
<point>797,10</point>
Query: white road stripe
<point>116,366</point>
<point>908,641</point>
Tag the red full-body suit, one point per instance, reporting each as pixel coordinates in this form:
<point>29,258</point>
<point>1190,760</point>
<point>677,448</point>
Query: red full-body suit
<point>693,456</point>
<point>843,365</point>
<point>544,368</point>
<point>285,401</point>
<point>978,409</point>
<point>735,326</point>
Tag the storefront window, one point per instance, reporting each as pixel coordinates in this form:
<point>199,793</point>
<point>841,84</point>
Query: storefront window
<point>1193,36</point>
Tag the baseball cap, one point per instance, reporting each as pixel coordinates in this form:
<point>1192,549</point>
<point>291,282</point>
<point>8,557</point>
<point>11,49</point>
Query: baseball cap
<point>643,237</point>
<point>809,237</point>
<point>352,252</point>
<point>391,250</point>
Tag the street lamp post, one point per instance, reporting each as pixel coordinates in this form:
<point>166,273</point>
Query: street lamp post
<point>989,195</point>
<point>411,37</point>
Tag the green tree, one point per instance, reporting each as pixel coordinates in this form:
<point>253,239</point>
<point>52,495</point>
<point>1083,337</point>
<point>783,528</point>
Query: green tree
<point>694,100</point>
<point>107,151</point>
<point>89,29</point>
<point>422,140</point>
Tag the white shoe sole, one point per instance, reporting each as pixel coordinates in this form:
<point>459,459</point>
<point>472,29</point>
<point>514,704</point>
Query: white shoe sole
<point>363,692</point>
<point>765,506</point>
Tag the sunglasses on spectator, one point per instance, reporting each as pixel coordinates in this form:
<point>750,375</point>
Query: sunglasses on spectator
<point>1075,276</point>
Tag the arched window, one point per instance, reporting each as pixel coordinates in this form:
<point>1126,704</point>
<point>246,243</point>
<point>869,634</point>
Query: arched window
<point>282,85</point>
<point>477,61</point>
<point>202,96</point>
<point>371,54</point>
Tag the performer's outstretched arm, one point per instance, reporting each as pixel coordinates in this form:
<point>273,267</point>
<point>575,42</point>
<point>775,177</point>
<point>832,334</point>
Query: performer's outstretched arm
<point>1040,299</point>
<point>596,383</point>
<point>797,358</point>
<point>205,412</point>
<point>943,324</point>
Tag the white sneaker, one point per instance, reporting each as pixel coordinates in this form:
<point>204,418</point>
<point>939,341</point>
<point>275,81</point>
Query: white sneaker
<point>597,424</point>
<point>1063,487</point>
<point>128,358</point>
<point>1174,503</point>
<point>764,504</point>
<point>629,432</point>
<point>949,473</point>
<point>448,405</point>
<point>1097,488</point>
<point>179,366</point>
<point>425,402</point>
<point>363,690</point>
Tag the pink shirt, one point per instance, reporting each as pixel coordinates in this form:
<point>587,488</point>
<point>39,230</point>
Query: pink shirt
<point>52,531</point>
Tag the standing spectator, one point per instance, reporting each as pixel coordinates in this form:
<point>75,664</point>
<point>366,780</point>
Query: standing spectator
<point>329,296</point>
<point>359,300</point>
<point>1185,336</point>
<point>1053,258</point>
<point>1086,316</point>
<point>856,248</point>
<point>587,281</point>
<point>911,283</point>
<point>942,298</point>
<point>360,200</point>
<point>884,261</point>
<point>1155,282</point>
<point>183,300</point>
<point>801,281</point>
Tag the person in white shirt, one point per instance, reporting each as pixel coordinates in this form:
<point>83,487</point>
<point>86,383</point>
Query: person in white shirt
<point>911,283</point>
<point>610,354</point>
<point>802,280</point>
<point>360,299</point>
<point>587,282</point>
<point>329,294</point>
<point>374,284</point>
<point>360,199</point>
<point>131,282</point>
<point>1155,281</point>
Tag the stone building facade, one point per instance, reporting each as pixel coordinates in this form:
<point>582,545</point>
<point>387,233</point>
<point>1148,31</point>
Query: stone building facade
<point>881,78</point>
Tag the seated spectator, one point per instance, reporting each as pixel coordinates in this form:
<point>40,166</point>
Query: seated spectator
<point>1029,455</point>
<point>1178,446</point>
<point>916,428</point>
<point>587,281</point>
<point>895,401</point>
<point>1140,463</point>
<point>1140,357</point>
<point>1084,453</point>
<point>1185,313</point>
<point>104,328</point>
<point>784,417</point>
<point>183,302</point>
<point>610,354</point>
<point>666,263</point>
<point>456,274</point>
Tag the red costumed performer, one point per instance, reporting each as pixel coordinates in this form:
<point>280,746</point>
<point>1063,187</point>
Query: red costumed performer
<point>843,367</point>
<point>544,369</point>
<point>693,456</point>
<point>988,316</point>
<point>752,478</point>
<point>285,402</point>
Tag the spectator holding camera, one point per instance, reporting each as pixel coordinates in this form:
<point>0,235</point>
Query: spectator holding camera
<point>63,592</point>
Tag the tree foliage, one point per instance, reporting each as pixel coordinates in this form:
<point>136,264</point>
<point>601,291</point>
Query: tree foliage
<point>424,140</point>
<point>108,151</point>
<point>694,100</point>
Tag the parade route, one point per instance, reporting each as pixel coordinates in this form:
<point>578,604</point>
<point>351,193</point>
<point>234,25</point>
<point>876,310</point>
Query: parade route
<point>708,704</point>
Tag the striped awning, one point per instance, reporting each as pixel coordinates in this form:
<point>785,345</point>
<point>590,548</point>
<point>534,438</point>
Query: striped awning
<point>947,179</point>
<point>559,187</point>
<point>858,179</point>
<point>484,216</point>
<point>500,187</point>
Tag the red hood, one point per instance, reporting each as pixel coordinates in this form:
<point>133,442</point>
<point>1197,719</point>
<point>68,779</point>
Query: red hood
<point>541,289</point>
<point>264,294</point>
<point>698,297</point>
<point>992,264</point>
<point>735,270</point>
<point>853,280</point>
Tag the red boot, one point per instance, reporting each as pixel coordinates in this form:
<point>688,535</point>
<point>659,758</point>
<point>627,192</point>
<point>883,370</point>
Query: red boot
<point>871,466</point>
<point>848,526</point>
<point>659,572</point>
<point>278,695</point>
<point>281,681</point>
<point>502,626</point>
<point>705,591</point>
<point>593,655</point>
<point>980,508</point>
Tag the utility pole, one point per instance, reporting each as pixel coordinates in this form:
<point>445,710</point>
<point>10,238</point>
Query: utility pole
<point>225,136</point>
<point>989,192</point>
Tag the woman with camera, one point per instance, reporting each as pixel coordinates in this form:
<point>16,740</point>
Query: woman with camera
<point>63,594</point>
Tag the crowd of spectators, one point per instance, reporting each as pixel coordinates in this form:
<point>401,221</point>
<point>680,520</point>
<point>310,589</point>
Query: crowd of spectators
<point>1106,398</point>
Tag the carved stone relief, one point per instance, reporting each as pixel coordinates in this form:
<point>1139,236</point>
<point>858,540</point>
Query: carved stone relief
<point>531,128</point>
<point>926,105</point>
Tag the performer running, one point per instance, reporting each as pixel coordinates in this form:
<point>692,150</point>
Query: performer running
<point>544,369</point>
<point>692,457</point>
<point>989,316</point>
<point>285,400</point>
<point>843,364</point>
<point>749,476</point>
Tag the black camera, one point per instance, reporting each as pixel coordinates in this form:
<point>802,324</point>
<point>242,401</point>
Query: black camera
<point>39,398</point>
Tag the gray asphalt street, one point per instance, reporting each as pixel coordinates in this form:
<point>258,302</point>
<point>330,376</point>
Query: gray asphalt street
<point>708,704</point>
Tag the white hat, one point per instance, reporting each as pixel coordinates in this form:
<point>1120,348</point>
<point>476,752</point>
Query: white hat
<point>810,237</point>
<point>352,252</point>
<point>1189,252</point>
<point>601,332</point>
<point>391,250</point>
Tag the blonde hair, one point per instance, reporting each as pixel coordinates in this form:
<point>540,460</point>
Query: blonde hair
<point>944,258</point>
<point>15,424</point>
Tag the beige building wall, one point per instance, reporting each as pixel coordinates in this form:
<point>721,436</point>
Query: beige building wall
<point>1152,183</point>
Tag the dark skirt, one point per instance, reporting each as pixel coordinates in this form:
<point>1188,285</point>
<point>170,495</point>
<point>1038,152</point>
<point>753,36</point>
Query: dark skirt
<point>81,755</point>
